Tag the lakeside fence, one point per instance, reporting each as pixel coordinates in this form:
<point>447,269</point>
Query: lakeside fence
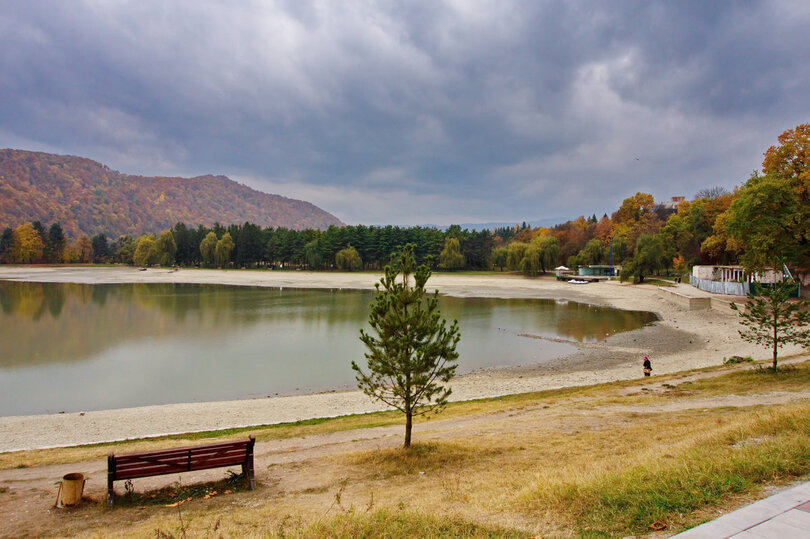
<point>720,287</point>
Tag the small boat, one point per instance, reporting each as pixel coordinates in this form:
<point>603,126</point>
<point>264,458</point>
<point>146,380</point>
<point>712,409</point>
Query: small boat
<point>574,281</point>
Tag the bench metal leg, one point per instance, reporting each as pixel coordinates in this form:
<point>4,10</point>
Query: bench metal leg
<point>247,467</point>
<point>247,471</point>
<point>110,479</point>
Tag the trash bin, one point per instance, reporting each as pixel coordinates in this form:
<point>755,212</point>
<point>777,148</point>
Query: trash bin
<point>72,488</point>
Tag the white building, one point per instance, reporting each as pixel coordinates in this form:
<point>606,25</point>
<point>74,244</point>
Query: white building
<point>730,280</point>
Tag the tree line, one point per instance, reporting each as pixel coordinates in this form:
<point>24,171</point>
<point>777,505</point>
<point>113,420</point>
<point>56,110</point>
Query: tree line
<point>763,222</point>
<point>248,245</point>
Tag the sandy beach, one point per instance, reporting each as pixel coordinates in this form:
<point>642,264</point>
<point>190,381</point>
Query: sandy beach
<point>680,340</point>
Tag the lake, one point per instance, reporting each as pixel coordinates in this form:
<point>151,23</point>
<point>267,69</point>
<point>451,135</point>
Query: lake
<point>71,347</point>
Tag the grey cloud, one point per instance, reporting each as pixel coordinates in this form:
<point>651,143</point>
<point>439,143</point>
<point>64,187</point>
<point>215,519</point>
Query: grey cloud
<point>476,110</point>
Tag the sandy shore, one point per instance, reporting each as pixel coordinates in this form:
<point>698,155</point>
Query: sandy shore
<point>681,340</point>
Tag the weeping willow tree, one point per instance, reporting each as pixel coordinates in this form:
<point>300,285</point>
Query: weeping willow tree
<point>411,350</point>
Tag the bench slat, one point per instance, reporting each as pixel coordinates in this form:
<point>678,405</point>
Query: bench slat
<point>181,457</point>
<point>193,448</point>
<point>181,465</point>
<point>156,470</point>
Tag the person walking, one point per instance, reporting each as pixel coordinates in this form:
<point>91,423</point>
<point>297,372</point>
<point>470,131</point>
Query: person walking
<point>647,366</point>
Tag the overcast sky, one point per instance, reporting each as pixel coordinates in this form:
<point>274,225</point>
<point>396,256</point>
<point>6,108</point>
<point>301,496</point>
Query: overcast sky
<point>412,112</point>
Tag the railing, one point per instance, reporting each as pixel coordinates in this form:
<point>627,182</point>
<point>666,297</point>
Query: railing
<point>720,287</point>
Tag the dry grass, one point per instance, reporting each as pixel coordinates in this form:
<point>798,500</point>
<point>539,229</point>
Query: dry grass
<point>299,429</point>
<point>752,380</point>
<point>604,461</point>
<point>64,455</point>
<point>704,459</point>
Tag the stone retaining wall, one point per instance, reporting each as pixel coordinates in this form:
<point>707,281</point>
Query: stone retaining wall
<point>689,303</point>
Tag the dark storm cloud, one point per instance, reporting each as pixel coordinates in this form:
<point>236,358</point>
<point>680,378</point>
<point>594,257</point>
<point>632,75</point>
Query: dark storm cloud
<point>412,112</point>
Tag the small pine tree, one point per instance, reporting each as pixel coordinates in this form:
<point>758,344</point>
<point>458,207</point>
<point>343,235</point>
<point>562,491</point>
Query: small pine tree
<point>773,319</point>
<point>413,352</point>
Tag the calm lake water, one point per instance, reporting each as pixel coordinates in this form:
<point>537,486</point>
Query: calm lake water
<point>71,347</point>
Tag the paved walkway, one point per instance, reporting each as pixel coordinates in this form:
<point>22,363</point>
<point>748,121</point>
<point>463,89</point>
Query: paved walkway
<point>785,515</point>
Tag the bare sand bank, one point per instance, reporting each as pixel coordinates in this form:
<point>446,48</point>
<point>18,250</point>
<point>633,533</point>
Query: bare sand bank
<point>681,340</point>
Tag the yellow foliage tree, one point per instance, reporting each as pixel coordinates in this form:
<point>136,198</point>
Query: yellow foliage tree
<point>26,246</point>
<point>634,207</point>
<point>208,248</point>
<point>223,250</point>
<point>451,257</point>
<point>83,249</point>
<point>145,251</point>
<point>70,255</point>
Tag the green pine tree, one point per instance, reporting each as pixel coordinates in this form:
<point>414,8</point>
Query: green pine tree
<point>772,319</point>
<point>413,352</point>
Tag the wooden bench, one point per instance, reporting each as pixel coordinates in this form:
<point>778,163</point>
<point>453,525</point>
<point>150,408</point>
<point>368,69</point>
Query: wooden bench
<point>181,459</point>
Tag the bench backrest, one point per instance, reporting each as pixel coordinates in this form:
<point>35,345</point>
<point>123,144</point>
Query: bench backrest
<point>181,459</point>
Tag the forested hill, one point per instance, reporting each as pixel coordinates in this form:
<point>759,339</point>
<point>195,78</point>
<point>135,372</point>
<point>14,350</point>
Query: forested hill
<point>89,197</point>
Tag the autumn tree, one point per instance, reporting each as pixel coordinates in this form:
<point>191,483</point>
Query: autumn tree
<point>348,259</point>
<point>165,248</point>
<point>540,255</point>
<point>786,182</point>
<point>594,252</point>
<point>499,255</point>
<point>721,247</point>
<point>549,252</point>
<point>636,217</point>
<point>648,258</point>
<point>123,249</point>
<point>765,220</point>
<point>313,254</point>
<point>208,249</point>
<point>411,353</point>
<point>83,249</point>
<point>26,245</point>
<point>791,158</point>
<point>514,254</point>
<point>634,208</point>
<point>223,250</point>
<point>769,221</point>
<point>451,257</point>
<point>144,254</point>
<point>687,230</point>
<point>617,250</point>
<point>773,320</point>
<point>603,229</point>
<point>530,264</point>
<point>679,264</point>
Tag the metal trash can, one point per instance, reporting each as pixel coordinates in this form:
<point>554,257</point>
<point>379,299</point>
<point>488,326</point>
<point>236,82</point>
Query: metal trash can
<point>72,488</point>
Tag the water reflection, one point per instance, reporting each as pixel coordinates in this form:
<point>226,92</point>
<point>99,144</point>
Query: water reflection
<point>136,344</point>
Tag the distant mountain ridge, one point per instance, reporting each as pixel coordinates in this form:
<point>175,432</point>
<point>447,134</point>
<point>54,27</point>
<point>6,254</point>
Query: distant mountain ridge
<point>86,196</point>
<point>548,222</point>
